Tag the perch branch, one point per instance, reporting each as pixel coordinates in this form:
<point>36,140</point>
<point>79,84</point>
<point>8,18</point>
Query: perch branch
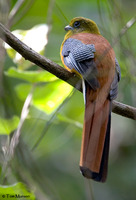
<point>57,70</point>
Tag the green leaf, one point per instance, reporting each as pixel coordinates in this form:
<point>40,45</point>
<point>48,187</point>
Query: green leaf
<point>8,125</point>
<point>16,191</point>
<point>46,97</point>
<point>30,76</point>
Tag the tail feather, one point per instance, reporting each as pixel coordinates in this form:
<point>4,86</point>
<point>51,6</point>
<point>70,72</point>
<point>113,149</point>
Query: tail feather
<point>95,142</point>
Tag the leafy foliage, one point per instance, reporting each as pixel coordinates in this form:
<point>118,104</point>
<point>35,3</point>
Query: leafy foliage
<point>47,156</point>
<point>30,76</point>
<point>8,125</point>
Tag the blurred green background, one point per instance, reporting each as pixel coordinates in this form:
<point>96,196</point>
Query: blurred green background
<point>46,161</point>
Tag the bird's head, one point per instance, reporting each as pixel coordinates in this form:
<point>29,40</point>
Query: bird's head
<point>80,25</point>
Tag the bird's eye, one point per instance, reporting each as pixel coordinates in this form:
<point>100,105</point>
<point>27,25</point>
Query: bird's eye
<point>76,24</point>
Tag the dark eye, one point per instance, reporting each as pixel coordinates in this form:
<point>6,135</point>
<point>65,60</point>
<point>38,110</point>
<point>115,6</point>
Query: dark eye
<point>76,24</point>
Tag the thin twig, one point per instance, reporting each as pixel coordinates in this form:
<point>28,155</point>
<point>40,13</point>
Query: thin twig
<point>128,25</point>
<point>13,17</point>
<point>9,149</point>
<point>14,11</point>
<point>15,138</point>
<point>57,70</point>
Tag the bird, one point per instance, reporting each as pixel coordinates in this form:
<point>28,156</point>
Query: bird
<point>85,52</point>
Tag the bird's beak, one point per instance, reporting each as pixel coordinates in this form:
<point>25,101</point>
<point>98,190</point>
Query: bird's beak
<point>68,27</point>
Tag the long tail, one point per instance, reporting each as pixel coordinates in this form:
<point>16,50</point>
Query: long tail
<point>95,141</point>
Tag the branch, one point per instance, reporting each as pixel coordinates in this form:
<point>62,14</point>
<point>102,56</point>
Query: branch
<point>36,58</point>
<point>124,110</point>
<point>57,70</point>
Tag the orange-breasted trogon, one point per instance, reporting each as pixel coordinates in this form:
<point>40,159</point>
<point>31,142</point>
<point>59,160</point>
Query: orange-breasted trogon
<point>87,53</point>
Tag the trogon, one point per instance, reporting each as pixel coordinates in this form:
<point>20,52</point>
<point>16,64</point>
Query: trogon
<point>87,53</point>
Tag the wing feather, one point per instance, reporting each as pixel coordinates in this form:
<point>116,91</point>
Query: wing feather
<point>80,57</point>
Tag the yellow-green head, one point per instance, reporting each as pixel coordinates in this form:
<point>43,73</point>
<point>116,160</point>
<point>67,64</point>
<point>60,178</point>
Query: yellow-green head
<point>80,25</point>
